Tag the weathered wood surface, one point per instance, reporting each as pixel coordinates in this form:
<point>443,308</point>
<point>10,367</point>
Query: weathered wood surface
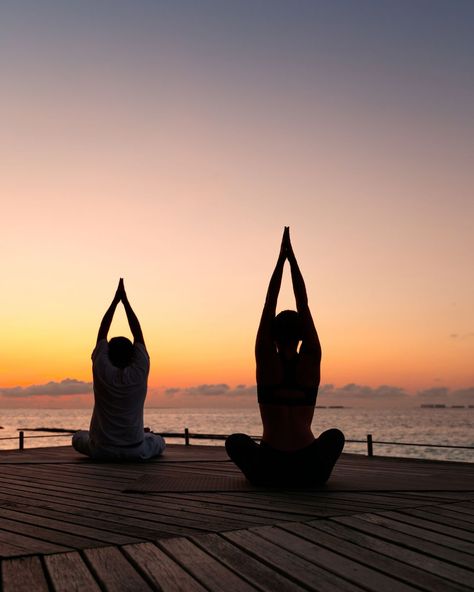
<point>66,524</point>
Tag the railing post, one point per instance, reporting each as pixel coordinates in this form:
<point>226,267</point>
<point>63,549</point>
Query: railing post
<point>21,440</point>
<point>370,448</point>
<point>186,437</point>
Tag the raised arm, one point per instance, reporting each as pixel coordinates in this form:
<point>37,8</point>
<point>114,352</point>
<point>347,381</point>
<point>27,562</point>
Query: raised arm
<point>264,333</point>
<point>109,315</point>
<point>310,341</point>
<point>132,318</point>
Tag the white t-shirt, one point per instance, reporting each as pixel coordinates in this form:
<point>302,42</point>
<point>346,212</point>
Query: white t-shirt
<point>119,396</point>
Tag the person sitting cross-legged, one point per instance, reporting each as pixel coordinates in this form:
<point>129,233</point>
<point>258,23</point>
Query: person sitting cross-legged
<point>287,386</point>
<point>120,372</point>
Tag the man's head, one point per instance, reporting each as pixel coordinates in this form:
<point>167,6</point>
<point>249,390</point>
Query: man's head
<point>120,351</point>
<point>287,330</point>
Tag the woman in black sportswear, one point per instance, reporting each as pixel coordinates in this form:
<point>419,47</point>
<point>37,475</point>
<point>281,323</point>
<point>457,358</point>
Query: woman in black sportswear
<point>287,385</point>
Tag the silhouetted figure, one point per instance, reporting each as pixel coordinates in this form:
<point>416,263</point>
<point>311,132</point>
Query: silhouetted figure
<point>120,371</point>
<point>287,386</point>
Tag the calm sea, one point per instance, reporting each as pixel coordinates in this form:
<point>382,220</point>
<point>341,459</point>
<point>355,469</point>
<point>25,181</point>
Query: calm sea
<point>425,426</point>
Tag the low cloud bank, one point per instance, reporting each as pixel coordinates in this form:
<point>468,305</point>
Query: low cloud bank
<point>241,395</point>
<point>348,395</point>
<point>68,386</point>
<point>212,390</point>
<point>443,395</point>
<point>387,395</point>
<point>357,394</point>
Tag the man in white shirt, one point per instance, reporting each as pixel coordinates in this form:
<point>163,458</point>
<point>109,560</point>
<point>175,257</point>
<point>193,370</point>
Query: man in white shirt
<point>120,370</point>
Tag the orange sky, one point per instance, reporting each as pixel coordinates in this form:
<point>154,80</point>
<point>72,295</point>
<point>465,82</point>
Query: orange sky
<point>170,146</point>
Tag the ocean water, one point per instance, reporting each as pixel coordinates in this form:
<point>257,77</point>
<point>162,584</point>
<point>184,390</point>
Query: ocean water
<point>424,426</point>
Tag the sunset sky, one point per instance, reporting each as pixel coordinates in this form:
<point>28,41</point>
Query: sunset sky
<point>169,143</point>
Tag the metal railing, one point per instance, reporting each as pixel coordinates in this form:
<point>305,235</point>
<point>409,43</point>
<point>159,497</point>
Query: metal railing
<point>187,436</point>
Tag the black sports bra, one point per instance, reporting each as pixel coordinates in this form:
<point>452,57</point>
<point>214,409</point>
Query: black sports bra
<point>274,394</point>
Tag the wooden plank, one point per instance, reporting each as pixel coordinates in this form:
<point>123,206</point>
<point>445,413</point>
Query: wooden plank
<point>461,509</point>
<point>378,554</point>
<point>357,572</point>
<point>338,499</point>
<point>259,497</point>
<point>67,521</point>
<point>78,479</point>
<point>151,509</point>
<point>247,504</point>
<point>212,574</point>
<point>446,496</point>
<point>79,512</point>
<point>254,571</point>
<point>289,565</point>
<point>30,544</point>
<point>113,571</point>
<point>164,510</point>
<point>24,574</point>
<point>69,573</point>
<point>163,573</point>
<point>417,497</point>
<point>210,508</point>
<point>420,529</point>
<point>263,507</point>
<point>446,518</point>
<point>7,549</point>
<point>408,548</point>
<point>318,505</point>
<point>435,571</point>
<point>113,532</point>
<point>44,529</point>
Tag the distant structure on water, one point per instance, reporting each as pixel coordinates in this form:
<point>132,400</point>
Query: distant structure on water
<point>442,406</point>
<point>433,406</point>
<point>331,407</point>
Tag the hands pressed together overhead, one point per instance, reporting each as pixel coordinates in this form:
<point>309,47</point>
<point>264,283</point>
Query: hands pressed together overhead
<point>120,294</point>
<point>286,250</point>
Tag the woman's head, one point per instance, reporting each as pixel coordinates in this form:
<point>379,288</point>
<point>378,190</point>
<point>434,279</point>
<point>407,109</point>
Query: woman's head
<point>120,351</point>
<point>287,328</point>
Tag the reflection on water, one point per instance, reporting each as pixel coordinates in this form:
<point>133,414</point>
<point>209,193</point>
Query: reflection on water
<point>428,426</point>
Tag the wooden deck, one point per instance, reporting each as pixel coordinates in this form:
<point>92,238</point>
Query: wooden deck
<point>381,524</point>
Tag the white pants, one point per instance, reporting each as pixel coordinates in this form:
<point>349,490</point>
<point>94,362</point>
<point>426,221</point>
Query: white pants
<point>152,445</point>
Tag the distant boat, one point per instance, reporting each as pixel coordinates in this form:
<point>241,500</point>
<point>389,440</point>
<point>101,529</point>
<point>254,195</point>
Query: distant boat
<point>330,407</point>
<point>433,406</point>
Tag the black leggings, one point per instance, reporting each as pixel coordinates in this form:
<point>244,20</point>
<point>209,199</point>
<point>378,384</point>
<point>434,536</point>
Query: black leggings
<point>264,465</point>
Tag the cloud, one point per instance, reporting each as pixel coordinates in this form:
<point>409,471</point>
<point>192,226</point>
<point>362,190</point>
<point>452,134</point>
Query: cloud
<point>463,396</point>
<point>170,392</point>
<point>68,386</point>
<point>467,392</point>
<point>207,390</point>
<point>435,393</point>
<point>212,390</point>
<point>244,391</point>
<point>350,394</point>
<point>462,336</point>
<point>357,392</point>
<point>446,396</point>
